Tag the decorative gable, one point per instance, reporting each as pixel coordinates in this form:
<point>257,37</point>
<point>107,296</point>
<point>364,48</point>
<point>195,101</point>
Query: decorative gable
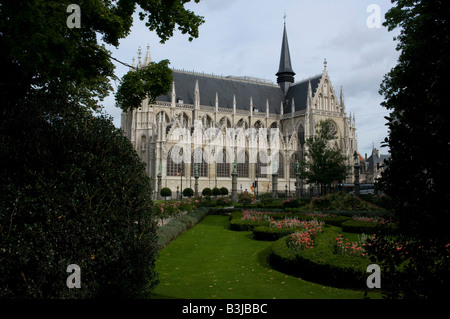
<point>324,97</point>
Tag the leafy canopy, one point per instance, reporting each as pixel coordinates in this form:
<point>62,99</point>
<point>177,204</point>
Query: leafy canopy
<point>41,54</point>
<point>323,164</point>
<point>148,82</point>
<point>416,94</point>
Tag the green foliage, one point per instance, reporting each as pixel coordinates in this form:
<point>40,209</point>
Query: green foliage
<point>179,225</point>
<point>223,191</point>
<point>320,264</point>
<point>236,222</point>
<point>323,164</point>
<point>245,198</point>
<point>341,201</point>
<point>71,59</point>
<point>165,192</point>
<point>266,199</point>
<point>163,16</point>
<point>73,188</point>
<point>383,201</point>
<point>419,186</point>
<point>271,233</point>
<point>353,226</point>
<point>216,191</point>
<point>149,82</point>
<point>223,202</point>
<point>188,192</point>
<point>79,196</point>
<point>291,202</point>
<point>207,192</point>
<point>416,176</point>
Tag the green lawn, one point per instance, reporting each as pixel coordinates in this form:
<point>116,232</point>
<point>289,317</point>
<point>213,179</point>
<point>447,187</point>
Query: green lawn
<point>210,261</point>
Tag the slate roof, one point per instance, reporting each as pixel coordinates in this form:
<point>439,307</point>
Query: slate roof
<point>299,91</point>
<point>374,159</point>
<point>225,87</point>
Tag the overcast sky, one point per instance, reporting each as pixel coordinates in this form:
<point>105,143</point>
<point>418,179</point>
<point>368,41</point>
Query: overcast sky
<point>243,38</point>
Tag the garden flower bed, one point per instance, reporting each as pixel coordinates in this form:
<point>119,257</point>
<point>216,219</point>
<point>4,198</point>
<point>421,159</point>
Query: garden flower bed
<point>319,261</point>
<point>368,225</point>
<point>280,228</point>
<point>311,245</point>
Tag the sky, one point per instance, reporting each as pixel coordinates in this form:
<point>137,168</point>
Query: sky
<point>243,38</point>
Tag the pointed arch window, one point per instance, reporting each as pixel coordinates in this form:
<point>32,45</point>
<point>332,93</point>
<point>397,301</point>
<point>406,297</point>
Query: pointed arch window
<point>223,164</point>
<point>242,164</point>
<point>292,165</point>
<point>262,164</point>
<point>197,159</point>
<point>279,158</point>
<point>175,161</point>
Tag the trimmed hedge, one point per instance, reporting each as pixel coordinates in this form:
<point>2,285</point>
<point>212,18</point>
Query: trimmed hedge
<point>271,233</point>
<point>332,220</point>
<point>353,226</point>
<point>236,223</point>
<point>177,226</point>
<point>320,264</point>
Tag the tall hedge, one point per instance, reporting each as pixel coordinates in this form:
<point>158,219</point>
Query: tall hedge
<point>73,192</point>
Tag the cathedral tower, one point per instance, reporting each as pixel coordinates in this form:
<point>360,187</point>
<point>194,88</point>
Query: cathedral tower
<point>285,74</point>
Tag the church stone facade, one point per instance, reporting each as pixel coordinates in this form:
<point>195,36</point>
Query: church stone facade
<point>278,116</point>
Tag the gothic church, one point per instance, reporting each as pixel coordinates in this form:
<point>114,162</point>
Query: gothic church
<point>230,102</point>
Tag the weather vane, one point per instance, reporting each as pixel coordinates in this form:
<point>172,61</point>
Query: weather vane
<point>284,17</point>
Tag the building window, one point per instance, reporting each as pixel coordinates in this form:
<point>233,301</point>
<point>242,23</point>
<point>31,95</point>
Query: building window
<point>280,164</point>
<point>197,159</point>
<point>223,168</point>
<point>175,161</point>
<point>242,164</point>
<point>262,165</point>
<point>292,168</point>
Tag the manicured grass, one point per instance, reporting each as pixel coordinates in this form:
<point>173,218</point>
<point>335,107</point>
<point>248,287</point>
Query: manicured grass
<point>210,261</point>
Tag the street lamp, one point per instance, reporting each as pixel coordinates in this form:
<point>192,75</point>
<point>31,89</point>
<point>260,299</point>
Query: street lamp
<point>356,166</point>
<point>181,182</point>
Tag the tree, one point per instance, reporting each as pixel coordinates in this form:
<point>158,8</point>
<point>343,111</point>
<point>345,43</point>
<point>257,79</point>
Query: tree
<point>223,191</point>
<point>245,198</point>
<point>207,192</point>
<point>42,54</point>
<point>79,198</point>
<point>216,191</point>
<point>188,192</point>
<point>73,188</point>
<point>416,177</point>
<point>149,82</point>
<point>323,164</point>
<point>266,198</point>
<point>165,192</point>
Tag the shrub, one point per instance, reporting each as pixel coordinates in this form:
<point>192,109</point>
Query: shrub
<point>320,264</point>
<point>341,201</point>
<point>224,191</point>
<point>223,202</point>
<point>75,192</point>
<point>291,202</point>
<point>216,191</point>
<point>270,233</point>
<point>166,192</point>
<point>266,198</point>
<point>239,223</point>
<point>245,198</point>
<point>177,226</point>
<point>188,192</point>
<point>207,192</point>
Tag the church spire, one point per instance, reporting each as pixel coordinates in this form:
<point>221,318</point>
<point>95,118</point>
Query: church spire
<point>342,100</point>
<point>285,74</point>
